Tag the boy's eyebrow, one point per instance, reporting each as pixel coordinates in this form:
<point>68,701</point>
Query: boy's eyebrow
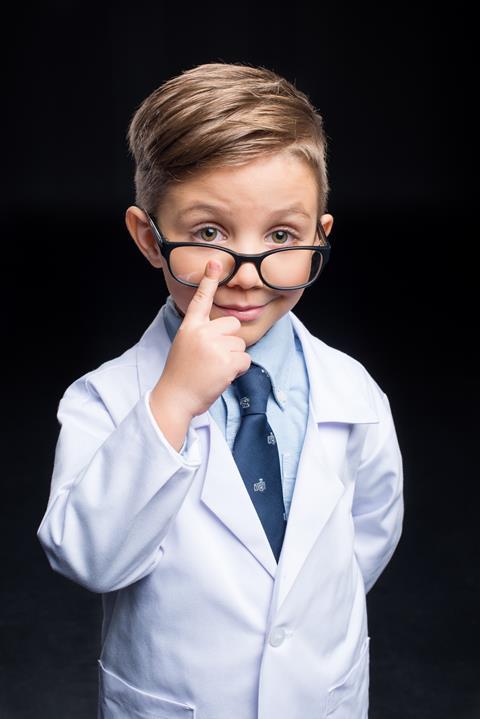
<point>202,207</point>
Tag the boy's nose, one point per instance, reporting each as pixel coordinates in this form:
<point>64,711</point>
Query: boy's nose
<point>246,276</point>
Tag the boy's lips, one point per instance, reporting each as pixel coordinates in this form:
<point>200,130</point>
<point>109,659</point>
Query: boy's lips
<point>243,312</point>
<point>242,308</point>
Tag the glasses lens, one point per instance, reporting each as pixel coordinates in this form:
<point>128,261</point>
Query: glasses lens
<point>188,263</point>
<point>290,268</point>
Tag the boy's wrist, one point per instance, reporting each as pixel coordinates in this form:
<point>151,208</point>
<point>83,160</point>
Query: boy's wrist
<point>170,414</point>
<point>165,396</point>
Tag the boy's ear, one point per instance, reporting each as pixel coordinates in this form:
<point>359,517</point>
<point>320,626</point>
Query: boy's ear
<point>327,222</point>
<point>141,233</point>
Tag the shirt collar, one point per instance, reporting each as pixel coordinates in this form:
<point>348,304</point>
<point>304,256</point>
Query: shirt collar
<point>172,318</point>
<point>273,351</point>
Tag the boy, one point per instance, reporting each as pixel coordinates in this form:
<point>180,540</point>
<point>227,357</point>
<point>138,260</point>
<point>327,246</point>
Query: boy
<point>230,484</point>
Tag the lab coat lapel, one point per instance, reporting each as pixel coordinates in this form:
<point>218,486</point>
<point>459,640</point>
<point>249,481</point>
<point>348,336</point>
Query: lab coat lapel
<point>225,494</point>
<point>318,487</point>
<point>317,491</point>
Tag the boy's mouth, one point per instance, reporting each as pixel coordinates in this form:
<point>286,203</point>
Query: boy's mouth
<point>242,312</point>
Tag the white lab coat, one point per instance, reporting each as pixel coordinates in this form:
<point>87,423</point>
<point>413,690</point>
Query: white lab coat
<point>199,621</point>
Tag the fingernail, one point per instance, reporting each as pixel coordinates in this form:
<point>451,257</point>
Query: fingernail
<point>212,267</point>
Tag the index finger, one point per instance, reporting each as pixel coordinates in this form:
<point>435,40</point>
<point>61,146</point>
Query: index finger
<point>201,302</point>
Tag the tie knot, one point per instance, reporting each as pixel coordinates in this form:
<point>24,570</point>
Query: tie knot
<point>252,390</point>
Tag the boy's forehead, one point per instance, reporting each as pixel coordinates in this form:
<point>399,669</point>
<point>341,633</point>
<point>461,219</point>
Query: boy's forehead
<point>199,207</point>
<point>276,185</point>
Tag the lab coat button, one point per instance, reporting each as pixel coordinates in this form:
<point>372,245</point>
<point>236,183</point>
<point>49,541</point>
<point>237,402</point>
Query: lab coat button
<point>277,636</point>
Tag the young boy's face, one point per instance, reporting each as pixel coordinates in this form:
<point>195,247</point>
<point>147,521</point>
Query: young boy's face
<point>249,205</point>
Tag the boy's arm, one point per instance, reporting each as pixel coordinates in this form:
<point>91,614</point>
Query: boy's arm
<point>378,506</point>
<point>114,492</point>
<point>116,489</point>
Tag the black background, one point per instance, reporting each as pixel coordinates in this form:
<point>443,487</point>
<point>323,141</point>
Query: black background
<point>392,83</point>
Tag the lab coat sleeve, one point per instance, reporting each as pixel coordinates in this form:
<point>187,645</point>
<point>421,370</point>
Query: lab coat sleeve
<point>115,491</point>
<point>185,448</point>
<point>378,507</point>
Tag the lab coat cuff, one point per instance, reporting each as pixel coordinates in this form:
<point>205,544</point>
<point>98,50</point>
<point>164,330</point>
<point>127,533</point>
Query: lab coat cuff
<point>189,453</point>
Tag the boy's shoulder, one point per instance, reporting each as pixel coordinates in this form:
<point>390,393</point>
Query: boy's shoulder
<point>326,354</point>
<point>119,382</point>
<point>114,383</point>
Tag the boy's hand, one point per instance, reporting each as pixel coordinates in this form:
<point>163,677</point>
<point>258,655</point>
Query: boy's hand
<point>206,355</point>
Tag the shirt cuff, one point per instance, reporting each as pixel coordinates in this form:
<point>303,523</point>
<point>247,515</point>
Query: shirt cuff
<point>189,449</point>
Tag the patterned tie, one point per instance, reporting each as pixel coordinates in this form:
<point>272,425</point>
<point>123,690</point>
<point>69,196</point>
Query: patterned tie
<point>256,454</point>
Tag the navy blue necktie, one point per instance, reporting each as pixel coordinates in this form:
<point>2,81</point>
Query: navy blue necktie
<point>256,454</point>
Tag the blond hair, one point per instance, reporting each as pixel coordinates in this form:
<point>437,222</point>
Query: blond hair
<point>219,114</point>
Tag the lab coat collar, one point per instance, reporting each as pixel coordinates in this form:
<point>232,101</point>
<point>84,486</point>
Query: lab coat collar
<point>338,383</point>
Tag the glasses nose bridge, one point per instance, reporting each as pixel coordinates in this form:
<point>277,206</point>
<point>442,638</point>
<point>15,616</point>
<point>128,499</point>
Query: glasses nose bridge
<point>244,261</point>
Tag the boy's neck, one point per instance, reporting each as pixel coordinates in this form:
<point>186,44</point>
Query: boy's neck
<point>178,309</point>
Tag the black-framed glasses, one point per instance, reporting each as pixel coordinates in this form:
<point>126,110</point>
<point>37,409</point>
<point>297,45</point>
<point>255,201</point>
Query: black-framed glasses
<point>284,268</point>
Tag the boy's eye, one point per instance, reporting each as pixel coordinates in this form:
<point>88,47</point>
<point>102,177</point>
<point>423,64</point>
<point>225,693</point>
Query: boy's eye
<point>280,236</point>
<point>211,234</point>
<point>207,233</point>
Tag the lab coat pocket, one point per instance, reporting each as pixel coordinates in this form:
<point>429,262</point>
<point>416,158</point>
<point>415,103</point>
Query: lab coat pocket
<point>348,698</point>
<point>120,700</point>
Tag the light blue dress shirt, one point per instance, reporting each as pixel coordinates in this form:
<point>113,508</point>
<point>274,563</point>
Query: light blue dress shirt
<point>280,353</point>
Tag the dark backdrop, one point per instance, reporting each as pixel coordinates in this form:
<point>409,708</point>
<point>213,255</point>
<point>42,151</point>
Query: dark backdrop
<point>392,84</point>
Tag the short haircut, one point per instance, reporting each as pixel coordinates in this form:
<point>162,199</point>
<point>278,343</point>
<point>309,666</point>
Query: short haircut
<point>222,114</point>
